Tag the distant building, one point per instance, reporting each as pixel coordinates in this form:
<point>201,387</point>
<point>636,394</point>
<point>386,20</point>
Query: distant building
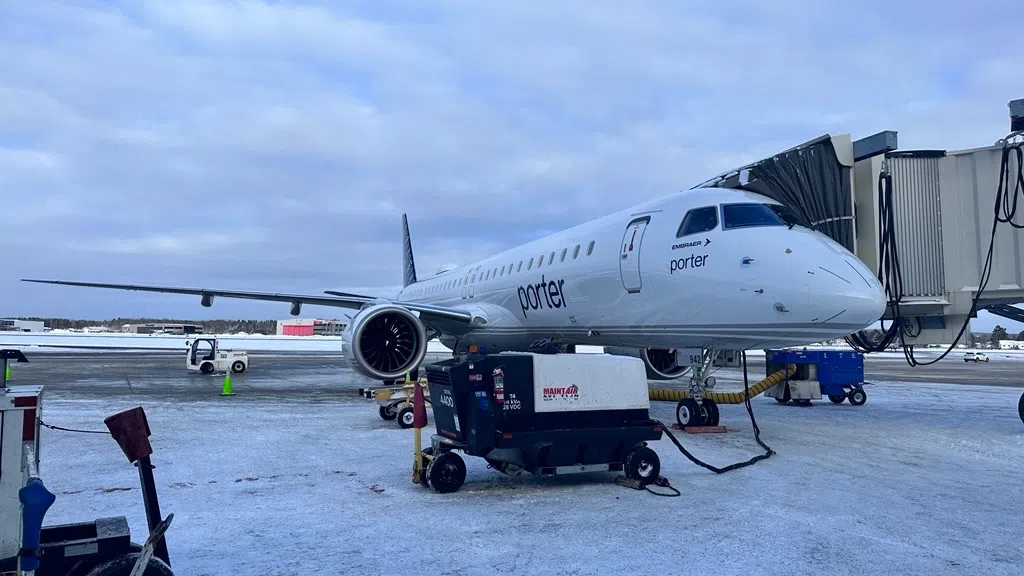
<point>1011,344</point>
<point>162,328</point>
<point>310,327</point>
<point>11,325</point>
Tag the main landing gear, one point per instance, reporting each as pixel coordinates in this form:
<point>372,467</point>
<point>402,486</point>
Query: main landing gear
<point>698,410</point>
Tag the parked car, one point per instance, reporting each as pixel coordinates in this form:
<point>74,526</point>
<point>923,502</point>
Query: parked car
<point>975,357</point>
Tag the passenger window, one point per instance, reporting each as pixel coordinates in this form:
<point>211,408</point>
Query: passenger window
<point>698,220</point>
<point>562,257</point>
<point>575,251</point>
<point>529,264</point>
<point>520,267</point>
<point>551,258</point>
<point>590,247</point>
<point>749,215</point>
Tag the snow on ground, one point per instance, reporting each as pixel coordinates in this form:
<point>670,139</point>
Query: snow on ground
<point>923,479</point>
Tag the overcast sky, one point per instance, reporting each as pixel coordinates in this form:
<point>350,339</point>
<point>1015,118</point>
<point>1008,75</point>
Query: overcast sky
<point>274,146</point>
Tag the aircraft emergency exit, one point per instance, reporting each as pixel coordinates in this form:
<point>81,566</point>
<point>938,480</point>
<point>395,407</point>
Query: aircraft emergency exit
<point>707,267</point>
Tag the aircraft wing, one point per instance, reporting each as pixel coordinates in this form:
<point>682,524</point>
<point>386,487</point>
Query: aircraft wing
<point>430,314</point>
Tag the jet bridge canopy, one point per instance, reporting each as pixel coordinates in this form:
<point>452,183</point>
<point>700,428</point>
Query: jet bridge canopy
<point>812,179</point>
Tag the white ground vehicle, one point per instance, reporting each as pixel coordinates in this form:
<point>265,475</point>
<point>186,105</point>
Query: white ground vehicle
<point>206,356</point>
<point>975,357</point>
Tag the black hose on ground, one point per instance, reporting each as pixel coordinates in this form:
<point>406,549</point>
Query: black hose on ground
<point>757,434</point>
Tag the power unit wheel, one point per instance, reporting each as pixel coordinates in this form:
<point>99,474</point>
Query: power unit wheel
<point>642,465</point>
<point>836,398</point>
<point>122,566</point>
<point>688,413</point>
<point>1020,407</point>
<point>781,401</point>
<point>387,412</point>
<point>446,473</point>
<point>206,368</point>
<point>425,465</point>
<point>406,417</point>
<point>711,412</point>
<point>238,367</point>
<point>857,397</point>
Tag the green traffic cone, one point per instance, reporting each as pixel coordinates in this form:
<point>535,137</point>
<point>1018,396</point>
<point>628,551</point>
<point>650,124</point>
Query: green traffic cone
<point>226,390</point>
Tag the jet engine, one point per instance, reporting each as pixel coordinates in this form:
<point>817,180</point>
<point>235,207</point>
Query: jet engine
<point>384,342</point>
<point>661,362</point>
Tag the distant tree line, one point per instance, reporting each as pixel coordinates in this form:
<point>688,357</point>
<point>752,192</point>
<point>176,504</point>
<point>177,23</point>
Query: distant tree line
<point>1000,333</point>
<point>209,326</point>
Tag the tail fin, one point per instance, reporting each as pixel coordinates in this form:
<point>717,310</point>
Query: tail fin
<point>410,266</point>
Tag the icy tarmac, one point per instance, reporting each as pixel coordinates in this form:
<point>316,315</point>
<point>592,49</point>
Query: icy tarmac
<point>297,475</point>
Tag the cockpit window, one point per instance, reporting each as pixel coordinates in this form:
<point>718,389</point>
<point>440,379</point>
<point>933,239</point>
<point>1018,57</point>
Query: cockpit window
<point>698,220</point>
<point>749,215</point>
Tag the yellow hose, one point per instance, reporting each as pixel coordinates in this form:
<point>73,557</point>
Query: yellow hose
<point>675,394</point>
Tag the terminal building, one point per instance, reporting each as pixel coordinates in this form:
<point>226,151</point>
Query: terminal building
<point>12,325</point>
<point>310,327</point>
<point>162,328</point>
<point>1011,344</point>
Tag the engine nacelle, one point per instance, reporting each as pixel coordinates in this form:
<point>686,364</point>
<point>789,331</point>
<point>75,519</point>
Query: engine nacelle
<point>384,341</point>
<point>661,362</point>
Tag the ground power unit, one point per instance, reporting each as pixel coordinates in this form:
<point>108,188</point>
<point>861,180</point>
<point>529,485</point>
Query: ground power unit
<point>835,374</point>
<point>544,414</point>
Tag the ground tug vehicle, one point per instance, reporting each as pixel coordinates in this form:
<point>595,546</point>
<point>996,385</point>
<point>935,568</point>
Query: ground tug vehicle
<point>206,356</point>
<point>544,414</point>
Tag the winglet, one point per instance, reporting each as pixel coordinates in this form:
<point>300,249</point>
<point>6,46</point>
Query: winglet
<point>409,265</point>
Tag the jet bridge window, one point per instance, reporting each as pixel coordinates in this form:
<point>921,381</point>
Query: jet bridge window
<point>749,215</point>
<point>698,220</point>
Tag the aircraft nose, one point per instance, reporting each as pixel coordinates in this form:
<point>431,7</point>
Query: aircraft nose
<point>843,291</point>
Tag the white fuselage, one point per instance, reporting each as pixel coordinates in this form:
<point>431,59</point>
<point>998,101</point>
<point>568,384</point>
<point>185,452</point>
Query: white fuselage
<point>636,278</point>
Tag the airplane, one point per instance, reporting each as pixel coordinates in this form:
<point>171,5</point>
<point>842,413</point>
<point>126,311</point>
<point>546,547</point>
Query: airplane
<point>708,268</point>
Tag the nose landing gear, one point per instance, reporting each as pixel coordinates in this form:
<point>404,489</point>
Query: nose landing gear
<point>697,410</point>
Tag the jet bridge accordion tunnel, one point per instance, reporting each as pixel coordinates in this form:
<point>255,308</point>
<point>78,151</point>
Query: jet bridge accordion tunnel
<point>938,227</point>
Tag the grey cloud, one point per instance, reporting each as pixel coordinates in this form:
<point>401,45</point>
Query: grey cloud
<point>274,146</point>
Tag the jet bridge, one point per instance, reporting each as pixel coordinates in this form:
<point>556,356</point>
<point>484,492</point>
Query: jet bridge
<point>937,226</point>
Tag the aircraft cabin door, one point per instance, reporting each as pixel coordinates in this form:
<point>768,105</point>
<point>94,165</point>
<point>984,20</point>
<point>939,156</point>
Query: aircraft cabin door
<point>629,255</point>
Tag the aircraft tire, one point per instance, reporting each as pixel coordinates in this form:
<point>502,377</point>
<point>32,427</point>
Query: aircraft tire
<point>688,413</point>
<point>713,413</point>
